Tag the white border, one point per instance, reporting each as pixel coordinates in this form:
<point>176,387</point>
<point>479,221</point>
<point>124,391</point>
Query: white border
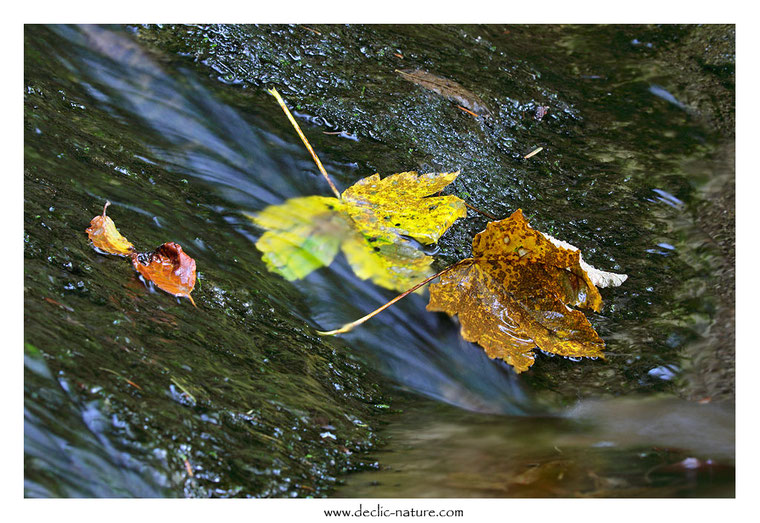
<point>383,12</point>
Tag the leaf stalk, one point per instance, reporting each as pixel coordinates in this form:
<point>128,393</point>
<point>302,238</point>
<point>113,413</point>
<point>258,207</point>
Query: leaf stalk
<point>274,93</point>
<point>487,215</point>
<point>349,326</point>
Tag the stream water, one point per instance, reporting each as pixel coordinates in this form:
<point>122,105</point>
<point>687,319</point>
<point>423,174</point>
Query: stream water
<point>143,395</point>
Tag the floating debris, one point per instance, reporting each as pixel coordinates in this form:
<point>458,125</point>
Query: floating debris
<point>533,152</point>
<point>446,88</point>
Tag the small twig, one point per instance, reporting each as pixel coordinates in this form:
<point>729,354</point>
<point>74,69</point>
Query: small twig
<point>310,29</point>
<point>490,216</point>
<point>188,468</point>
<point>61,305</point>
<point>533,152</point>
<point>468,111</point>
<point>183,389</point>
<point>274,93</point>
<point>349,326</point>
<point>122,377</point>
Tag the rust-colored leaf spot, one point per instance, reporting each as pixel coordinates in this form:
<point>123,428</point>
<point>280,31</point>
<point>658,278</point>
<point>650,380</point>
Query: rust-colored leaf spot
<point>105,237</point>
<point>169,268</point>
<point>511,295</point>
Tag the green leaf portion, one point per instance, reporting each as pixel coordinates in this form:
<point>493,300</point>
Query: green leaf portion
<point>302,235</point>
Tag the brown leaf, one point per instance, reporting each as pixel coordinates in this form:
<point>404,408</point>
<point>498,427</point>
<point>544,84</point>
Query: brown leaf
<point>169,268</point>
<point>446,88</point>
<point>511,295</point>
<point>105,237</point>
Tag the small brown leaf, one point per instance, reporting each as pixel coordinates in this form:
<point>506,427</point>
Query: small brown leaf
<point>446,88</point>
<point>169,268</point>
<point>105,237</point>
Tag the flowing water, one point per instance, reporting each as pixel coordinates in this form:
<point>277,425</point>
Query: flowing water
<point>143,395</point>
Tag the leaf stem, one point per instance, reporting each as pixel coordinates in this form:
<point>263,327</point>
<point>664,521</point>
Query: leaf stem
<point>349,326</point>
<point>274,93</point>
<point>491,216</point>
<point>468,111</point>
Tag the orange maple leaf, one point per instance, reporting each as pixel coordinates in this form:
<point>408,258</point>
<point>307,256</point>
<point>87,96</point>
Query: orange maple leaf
<point>511,295</point>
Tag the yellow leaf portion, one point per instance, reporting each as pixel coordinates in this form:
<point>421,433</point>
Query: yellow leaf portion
<point>395,266</point>
<point>104,235</point>
<point>401,204</point>
<point>510,297</point>
<point>369,224</point>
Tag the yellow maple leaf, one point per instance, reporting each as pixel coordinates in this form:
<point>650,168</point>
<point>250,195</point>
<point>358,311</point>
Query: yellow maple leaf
<point>510,296</point>
<point>370,223</point>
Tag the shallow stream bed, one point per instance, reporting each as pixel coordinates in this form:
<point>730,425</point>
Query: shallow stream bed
<point>143,395</point>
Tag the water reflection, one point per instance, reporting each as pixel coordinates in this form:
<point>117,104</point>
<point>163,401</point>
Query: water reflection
<point>665,95</point>
<point>668,199</point>
<point>651,447</point>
